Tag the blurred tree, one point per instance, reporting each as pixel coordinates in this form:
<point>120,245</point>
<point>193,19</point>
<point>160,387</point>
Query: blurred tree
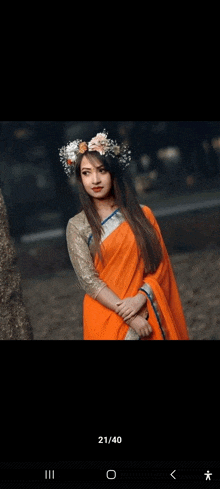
<point>53,134</point>
<point>14,322</point>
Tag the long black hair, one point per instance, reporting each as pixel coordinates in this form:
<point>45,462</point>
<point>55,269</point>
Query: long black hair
<point>126,199</point>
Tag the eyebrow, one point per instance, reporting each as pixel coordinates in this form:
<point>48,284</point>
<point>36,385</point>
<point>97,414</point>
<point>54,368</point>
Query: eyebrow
<point>90,168</point>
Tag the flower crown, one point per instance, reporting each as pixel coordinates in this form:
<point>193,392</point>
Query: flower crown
<point>100,143</point>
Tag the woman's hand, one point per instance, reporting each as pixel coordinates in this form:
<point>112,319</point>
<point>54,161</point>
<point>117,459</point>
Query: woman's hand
<point>127,308</point>
<point>140,326</point>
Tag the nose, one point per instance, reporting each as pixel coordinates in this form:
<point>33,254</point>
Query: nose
<point>96,177</point>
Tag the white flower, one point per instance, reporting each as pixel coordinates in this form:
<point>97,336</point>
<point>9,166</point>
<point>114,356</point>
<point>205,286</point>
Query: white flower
<point>99,143</point>
<point>72,149</point>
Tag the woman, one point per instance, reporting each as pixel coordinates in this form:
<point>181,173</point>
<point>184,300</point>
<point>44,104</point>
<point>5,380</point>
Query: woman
<point>117,250</point>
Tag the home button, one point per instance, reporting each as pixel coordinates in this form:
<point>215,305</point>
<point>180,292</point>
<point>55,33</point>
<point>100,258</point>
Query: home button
<point>111,474</point>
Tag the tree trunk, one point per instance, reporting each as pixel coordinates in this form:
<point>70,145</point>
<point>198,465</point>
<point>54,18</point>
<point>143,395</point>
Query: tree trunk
<point>14,321</point>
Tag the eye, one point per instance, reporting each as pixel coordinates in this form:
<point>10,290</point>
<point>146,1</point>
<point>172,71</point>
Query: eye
<point>85,172</point>
<point>102,169</point>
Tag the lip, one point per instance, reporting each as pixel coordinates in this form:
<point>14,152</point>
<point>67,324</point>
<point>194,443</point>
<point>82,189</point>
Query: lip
<point>97,189</point>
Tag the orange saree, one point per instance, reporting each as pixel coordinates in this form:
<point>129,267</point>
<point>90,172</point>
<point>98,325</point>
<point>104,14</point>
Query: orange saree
<point>124,273</point>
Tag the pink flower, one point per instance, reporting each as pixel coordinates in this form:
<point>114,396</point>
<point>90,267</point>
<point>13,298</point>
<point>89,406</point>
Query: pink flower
<point>99,143</point>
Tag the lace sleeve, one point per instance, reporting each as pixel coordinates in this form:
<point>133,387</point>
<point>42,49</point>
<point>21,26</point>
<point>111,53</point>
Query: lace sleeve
<point>82,262</point>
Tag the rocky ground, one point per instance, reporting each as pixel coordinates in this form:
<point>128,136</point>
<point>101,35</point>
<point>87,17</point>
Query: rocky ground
<point>54,300</point>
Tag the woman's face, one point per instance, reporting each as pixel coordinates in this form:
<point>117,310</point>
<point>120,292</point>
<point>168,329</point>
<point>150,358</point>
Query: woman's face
<point>96,180</point>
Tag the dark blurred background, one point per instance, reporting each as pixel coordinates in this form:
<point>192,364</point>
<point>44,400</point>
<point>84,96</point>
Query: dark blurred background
<point>176,170</point>
<point>169,158</point>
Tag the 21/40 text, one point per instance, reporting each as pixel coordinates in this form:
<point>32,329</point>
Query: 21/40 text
<point>110,439</point>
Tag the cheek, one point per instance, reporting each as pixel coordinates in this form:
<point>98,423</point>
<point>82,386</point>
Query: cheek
<point>85,181</point>
<point>108,180</point>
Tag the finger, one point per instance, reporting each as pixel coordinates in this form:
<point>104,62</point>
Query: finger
<point>130,316</point>
<point>146,332</point>
<point>121,307</point>
<point>119,311</point>
<point>127,318</point>
<point>126,310</point>
<point>149,327</point>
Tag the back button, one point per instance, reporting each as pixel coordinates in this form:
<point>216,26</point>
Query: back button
<point>173,473</point>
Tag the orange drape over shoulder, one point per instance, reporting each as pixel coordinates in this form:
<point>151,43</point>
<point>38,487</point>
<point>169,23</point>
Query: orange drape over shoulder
<point>124,273</point>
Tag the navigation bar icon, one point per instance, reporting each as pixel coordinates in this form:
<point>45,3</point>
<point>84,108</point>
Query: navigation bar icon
<point>50,474</point>
<point>111,474</point>
<point>173,473</point>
